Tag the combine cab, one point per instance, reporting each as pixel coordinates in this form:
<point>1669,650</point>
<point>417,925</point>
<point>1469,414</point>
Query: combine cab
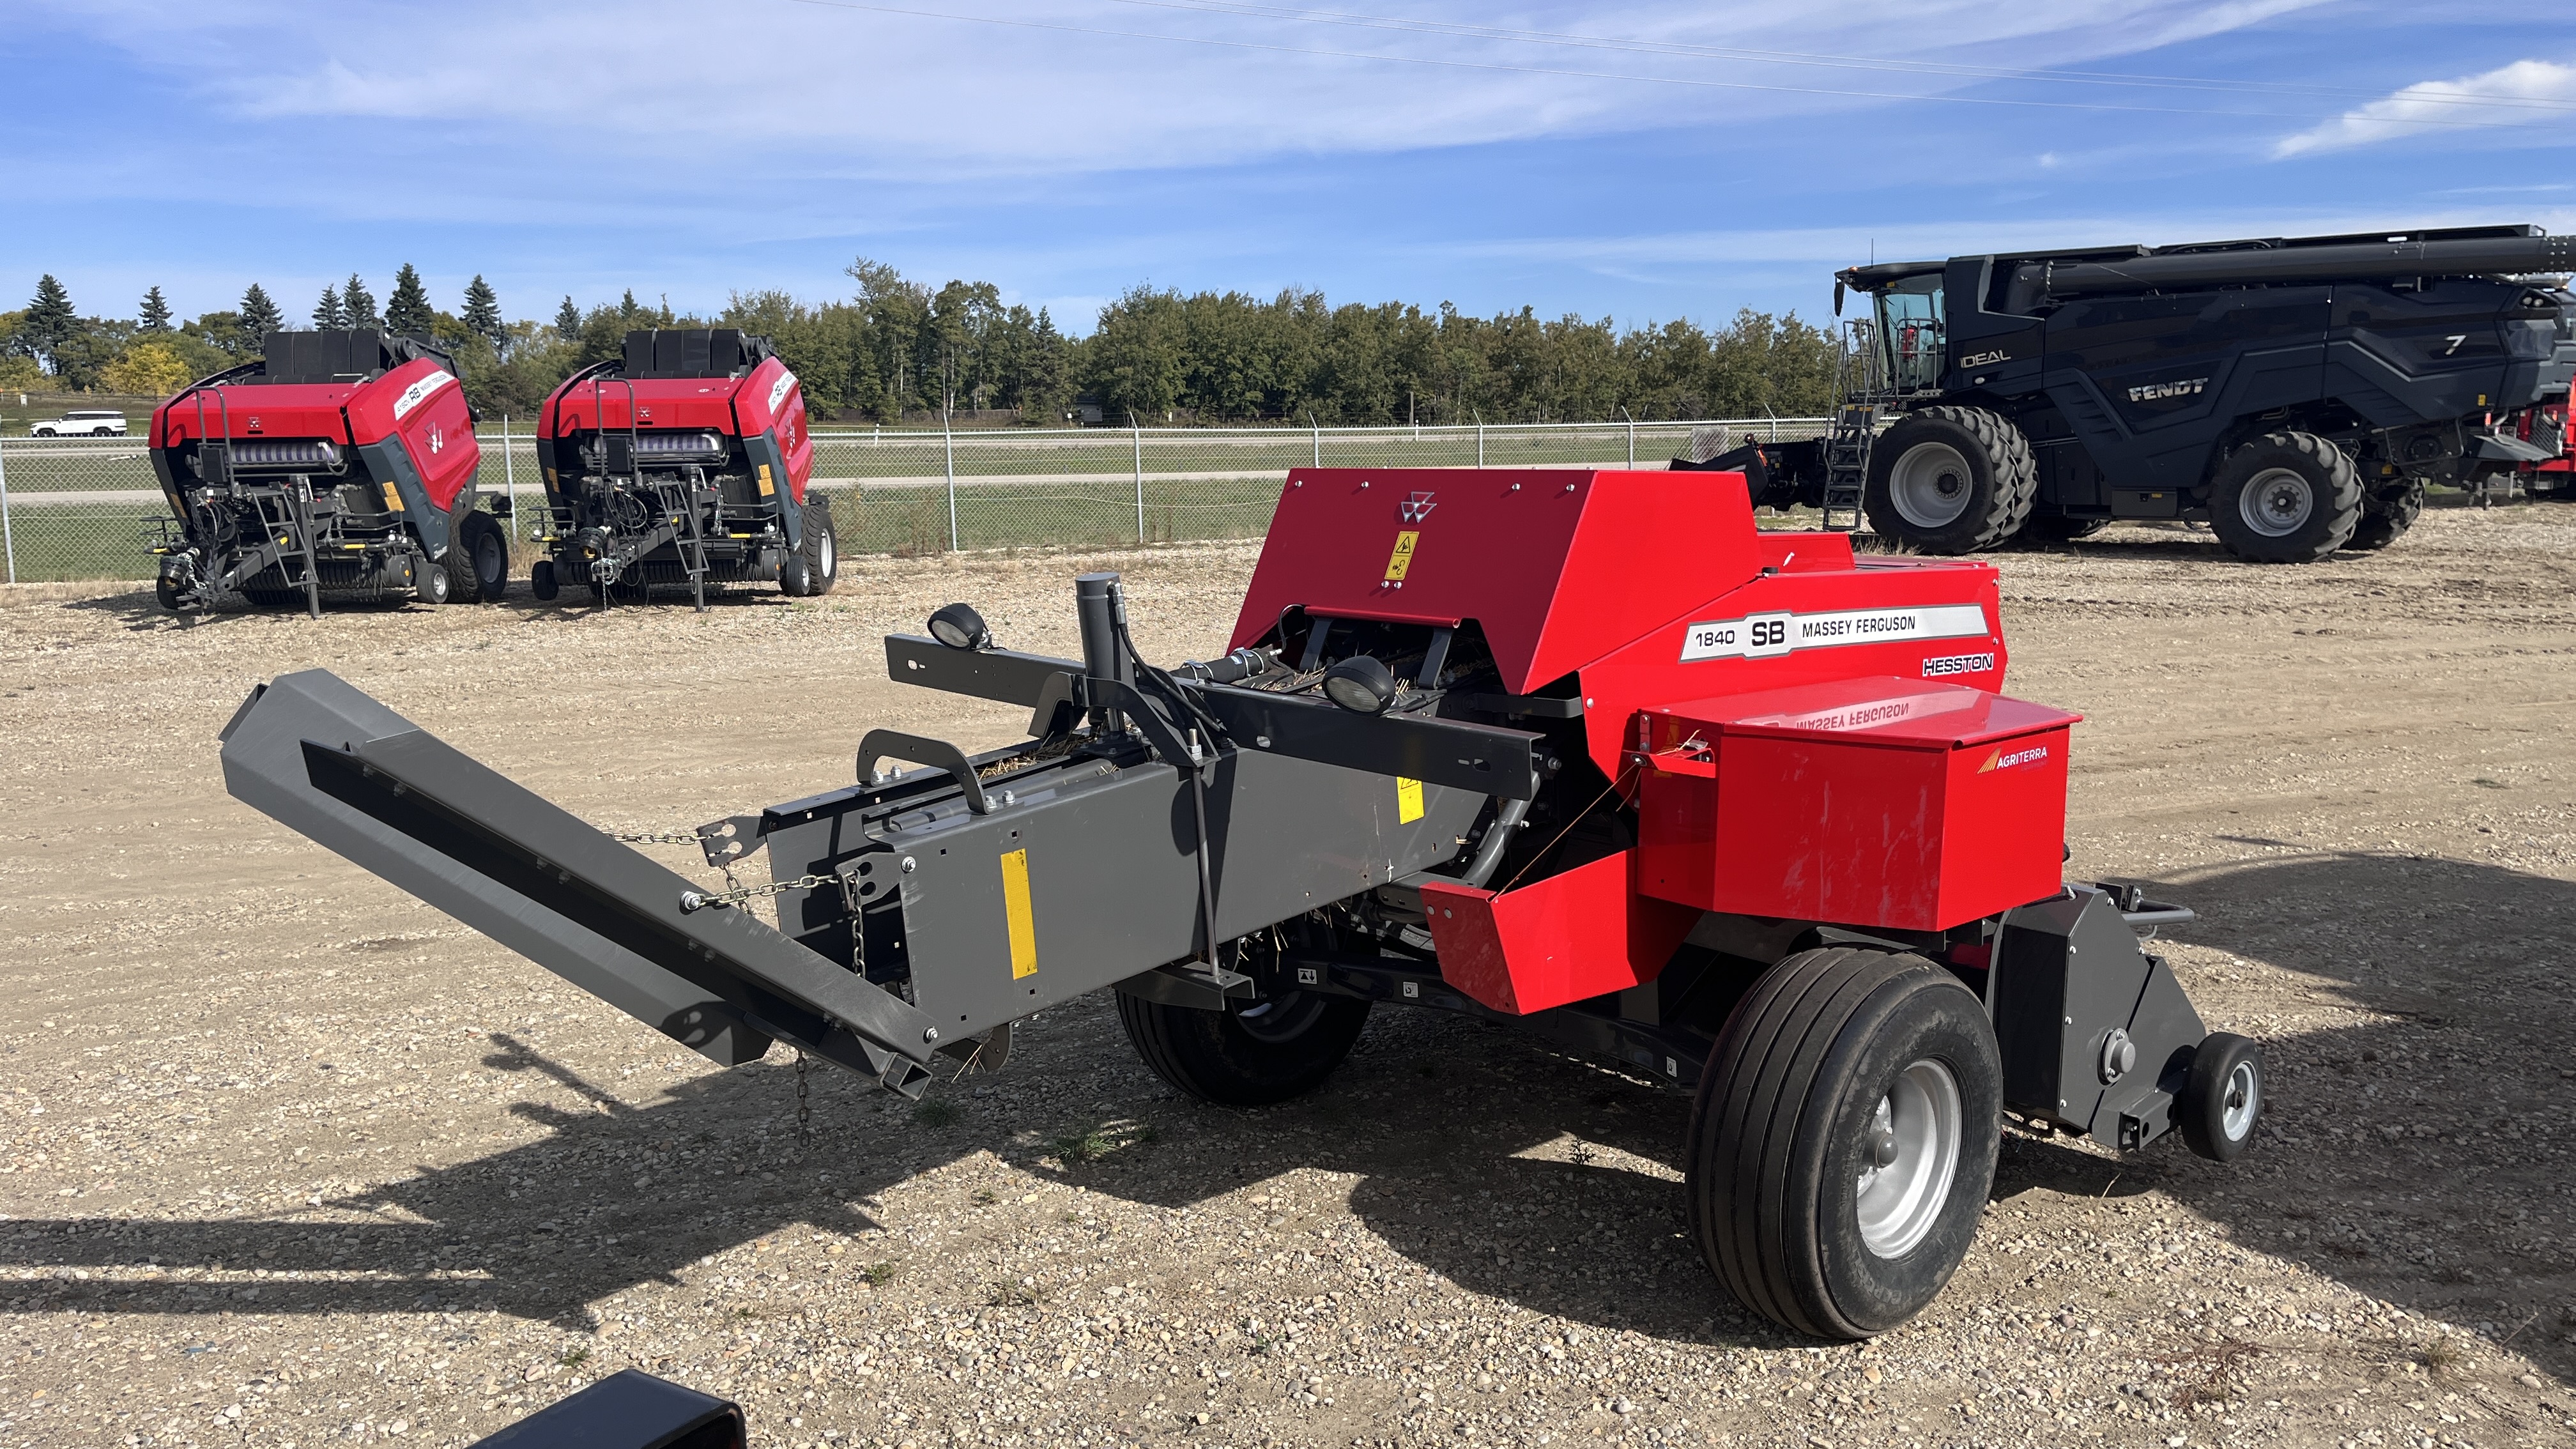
<point>340,463</point>
<point>682,464</point>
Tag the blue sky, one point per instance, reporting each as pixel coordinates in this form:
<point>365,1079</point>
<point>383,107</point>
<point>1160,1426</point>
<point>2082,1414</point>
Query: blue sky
<point>1642,161</point>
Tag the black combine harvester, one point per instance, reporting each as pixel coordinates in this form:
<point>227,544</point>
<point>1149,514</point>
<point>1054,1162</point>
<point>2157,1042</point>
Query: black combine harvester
<point>2297,394</point>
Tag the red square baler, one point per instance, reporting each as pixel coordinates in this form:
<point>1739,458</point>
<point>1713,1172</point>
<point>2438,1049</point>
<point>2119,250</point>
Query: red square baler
<point>1582,750</point>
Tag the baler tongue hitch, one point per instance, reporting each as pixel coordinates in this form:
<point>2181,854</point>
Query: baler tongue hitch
<point>1763,829</point>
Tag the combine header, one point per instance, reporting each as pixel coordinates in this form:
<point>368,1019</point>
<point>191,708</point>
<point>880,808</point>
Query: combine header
<point>682,464</point>
<point>1577,750</point>
<point>340,463</point>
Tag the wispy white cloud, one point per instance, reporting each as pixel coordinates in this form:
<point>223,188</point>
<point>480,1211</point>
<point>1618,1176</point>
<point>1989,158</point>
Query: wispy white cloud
<point>2525,93</point>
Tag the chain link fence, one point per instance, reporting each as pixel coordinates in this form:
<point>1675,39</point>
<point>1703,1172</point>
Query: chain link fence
<point>79,508</point>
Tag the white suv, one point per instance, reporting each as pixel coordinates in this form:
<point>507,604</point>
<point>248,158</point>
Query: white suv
<point>82,423</point>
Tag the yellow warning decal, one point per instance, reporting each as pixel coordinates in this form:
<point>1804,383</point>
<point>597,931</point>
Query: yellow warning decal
<point>1015,909</point>
<point>1402,558</point>
<point>393,499</point>
<point>1408,800</point>
<point>767,488</point>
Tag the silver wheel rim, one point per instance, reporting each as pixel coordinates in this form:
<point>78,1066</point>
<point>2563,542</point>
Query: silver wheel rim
<point>2276,501</point>
<point>1909,1159</point>
<point>1930,485</point>
<point>825,553</point>
<point>2242,1098</point>
<point>1282,1018</point>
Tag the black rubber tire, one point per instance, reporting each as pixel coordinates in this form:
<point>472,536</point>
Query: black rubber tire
<point>821,549</point>
<point>2001,483</point>
<point>166,594</point>
<point>1217,1057</point>
<point>1783,1120</point>
<point>2208,1093</point>
<point>2333,499</point>
<point>795,576</point>
<point>2386,516</point>
<point>2058,528</point>
<point>436,583</point>
<point>480,559</point>
<point>541,581</point>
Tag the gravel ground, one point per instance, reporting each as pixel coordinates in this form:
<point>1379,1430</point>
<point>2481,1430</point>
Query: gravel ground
<point>289,1160</point>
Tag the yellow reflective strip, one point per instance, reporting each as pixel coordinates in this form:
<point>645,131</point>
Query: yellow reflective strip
<point>393,499</point>
<point>1408,800</point>
<point>766,487</point>
<point>1015,909</point>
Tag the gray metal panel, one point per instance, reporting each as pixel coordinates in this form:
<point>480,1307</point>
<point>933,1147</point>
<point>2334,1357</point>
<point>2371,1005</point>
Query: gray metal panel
<point>1113,882</point>
<point>2068,972</point>
<point>263,758</point>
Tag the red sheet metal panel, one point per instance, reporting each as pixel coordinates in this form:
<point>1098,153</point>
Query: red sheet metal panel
<point>1560,567</point>
<point>1888,802</point>
<point>1571,936</point>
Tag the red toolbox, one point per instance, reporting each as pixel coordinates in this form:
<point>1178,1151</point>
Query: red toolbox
<point>1888,802</point>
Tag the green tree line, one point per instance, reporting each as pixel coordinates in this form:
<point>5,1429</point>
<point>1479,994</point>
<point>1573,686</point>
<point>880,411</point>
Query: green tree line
<point>896,348</point>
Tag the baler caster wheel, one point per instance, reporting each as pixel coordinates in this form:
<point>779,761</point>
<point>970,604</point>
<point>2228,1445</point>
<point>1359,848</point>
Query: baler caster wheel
<point>541,581</point>
<point>1276,1050</point>
<point>435,585</point>
<point>165,592</point>
<point>1844,1140</point>
<point>2222,1099</point>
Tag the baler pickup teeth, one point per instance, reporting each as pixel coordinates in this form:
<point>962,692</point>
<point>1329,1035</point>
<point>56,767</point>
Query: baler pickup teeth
<point>327,760</point>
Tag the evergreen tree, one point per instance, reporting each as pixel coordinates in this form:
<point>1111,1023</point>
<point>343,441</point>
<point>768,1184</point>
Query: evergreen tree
<point>156,312</point>
<point>358,304</point>
<point>483,311</point>
<point>407,311</point>
<point>568,321</point>
<point>329,314</point>
<point>48,323</point>
<point>259,315</point>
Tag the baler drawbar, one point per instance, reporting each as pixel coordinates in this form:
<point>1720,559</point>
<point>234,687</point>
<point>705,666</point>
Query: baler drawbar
<point>1580,750</point>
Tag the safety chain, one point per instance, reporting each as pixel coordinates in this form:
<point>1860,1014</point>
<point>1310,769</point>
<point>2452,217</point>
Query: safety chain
<point>804,1107</point>
<point>701,900</point>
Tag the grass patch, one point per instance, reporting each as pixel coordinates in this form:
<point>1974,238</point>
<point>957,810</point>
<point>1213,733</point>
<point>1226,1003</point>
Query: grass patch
<point>573,1357</point>
<point>1098,1142</point>
<point>936,1112</point>
<point>878,1274</point>
<point>1012,1294</point>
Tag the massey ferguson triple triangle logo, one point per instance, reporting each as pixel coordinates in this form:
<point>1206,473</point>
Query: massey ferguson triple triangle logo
<point>1414,509</point>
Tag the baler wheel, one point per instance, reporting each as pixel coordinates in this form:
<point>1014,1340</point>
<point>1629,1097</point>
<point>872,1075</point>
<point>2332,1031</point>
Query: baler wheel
<point>821,549</point>
<point>484,551</point>
<point>541,581</point>
<point>1279,1049</point>
<point>435,584</point>
<point>2285,498</point>
<point>2222,1099</point>
<point>1844,1140</point>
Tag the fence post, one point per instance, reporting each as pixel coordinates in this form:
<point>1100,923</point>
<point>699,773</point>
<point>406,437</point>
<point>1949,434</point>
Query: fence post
<point>1632,435</point>
<point>1138,434</point>
<point>8,539</point>
<point>1775,422</point>
<point>1319,437</point>
<point>1480,439</point>
<point>948,442</point>
<point>509,474</point>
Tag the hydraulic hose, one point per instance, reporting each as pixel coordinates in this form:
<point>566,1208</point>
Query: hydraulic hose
<point>1489,851</point>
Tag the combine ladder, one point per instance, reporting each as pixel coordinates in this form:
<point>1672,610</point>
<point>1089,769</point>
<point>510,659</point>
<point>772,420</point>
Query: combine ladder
<point>1847,465</point>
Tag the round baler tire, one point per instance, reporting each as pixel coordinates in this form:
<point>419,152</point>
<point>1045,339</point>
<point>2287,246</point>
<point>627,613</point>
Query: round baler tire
<point>1217,1057</point>
<point>821,549</point>
<point>541,581</point>
<point>2222,1097</point>
<point>434,582</point>
<point>482,547</point>
<point>2386,517</point>
<point>2285,498</point>
<point>1787,1139</point>
<point>1996,480</point>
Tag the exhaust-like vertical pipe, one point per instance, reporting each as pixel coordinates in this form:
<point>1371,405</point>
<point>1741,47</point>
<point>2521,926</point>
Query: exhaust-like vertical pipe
<point>1101,609</point>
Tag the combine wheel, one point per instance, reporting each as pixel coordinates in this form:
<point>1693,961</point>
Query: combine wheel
<point>2222,1099</point>
<point>821,550</point>
<point>1950,480</point>
<point>2285,498</point>
<point>483,550</point>
<point>1844,1140</point>
<point>1275,1050</point>
<point>2386,517</point>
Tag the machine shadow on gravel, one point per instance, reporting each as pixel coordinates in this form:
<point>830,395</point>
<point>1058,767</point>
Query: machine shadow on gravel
<point>1509,1169</point>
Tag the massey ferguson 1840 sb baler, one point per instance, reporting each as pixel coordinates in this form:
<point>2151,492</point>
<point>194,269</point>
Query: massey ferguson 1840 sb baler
<point>682,463</point>
<point>339,463</point>
<point>1581,750</point>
